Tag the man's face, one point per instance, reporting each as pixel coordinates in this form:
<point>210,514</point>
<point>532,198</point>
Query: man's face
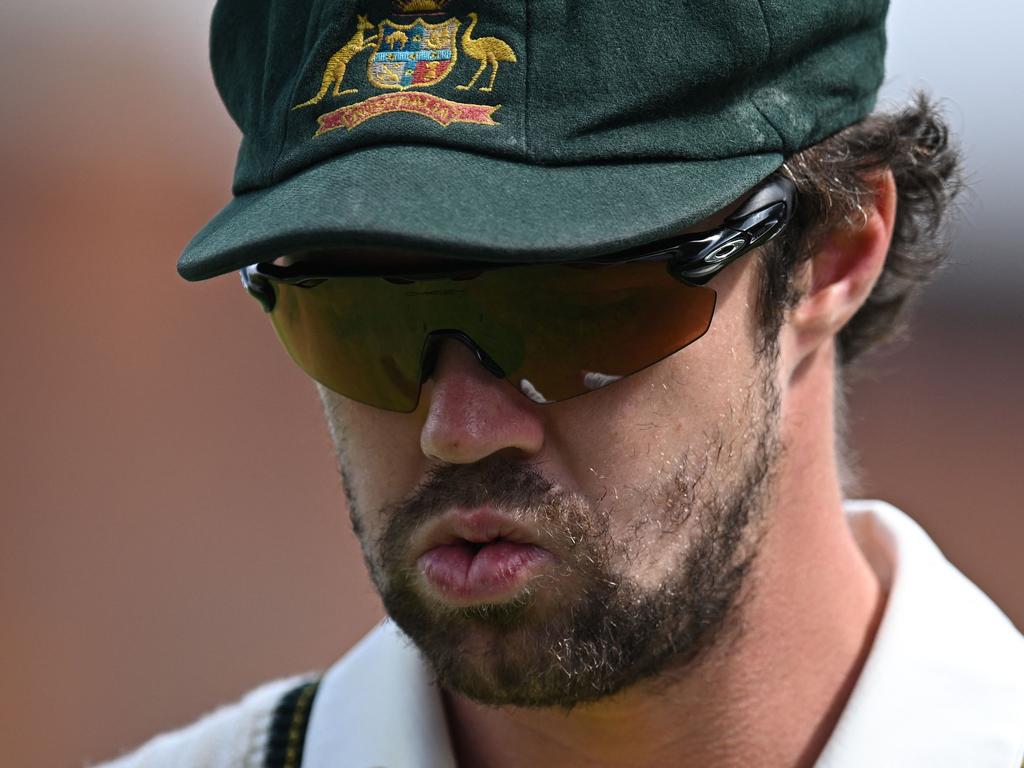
<point>636,509</point>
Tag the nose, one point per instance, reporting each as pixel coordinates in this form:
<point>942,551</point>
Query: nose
<point>472,413</point>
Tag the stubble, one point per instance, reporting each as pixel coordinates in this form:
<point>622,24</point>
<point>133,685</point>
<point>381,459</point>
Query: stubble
<point>591,628</point>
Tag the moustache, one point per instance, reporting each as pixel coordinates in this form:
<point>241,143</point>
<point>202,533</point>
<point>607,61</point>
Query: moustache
<point>518,490</point>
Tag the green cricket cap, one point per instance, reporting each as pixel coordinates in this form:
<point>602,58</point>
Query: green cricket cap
<point>538,131</point>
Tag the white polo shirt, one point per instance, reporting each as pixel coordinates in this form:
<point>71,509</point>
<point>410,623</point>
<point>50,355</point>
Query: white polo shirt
<point>943,685</point>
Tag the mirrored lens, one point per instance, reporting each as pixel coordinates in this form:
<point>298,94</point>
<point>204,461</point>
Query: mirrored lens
<point>557,331</point>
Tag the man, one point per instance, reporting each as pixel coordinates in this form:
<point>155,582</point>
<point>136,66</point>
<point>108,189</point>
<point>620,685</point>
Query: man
<point>578,284</point>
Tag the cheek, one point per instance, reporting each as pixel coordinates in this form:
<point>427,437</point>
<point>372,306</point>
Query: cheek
<point>627,445</point>
<point>615,445</point>
<point>378,452</point>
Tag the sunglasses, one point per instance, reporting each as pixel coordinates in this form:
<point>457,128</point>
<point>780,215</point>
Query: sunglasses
<point>554,331</point>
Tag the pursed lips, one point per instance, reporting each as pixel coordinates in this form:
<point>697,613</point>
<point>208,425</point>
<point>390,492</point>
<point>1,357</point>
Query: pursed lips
<point>480,525</point>
<point>477,556</point>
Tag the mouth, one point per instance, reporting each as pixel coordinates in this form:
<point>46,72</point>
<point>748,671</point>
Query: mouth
<point>479,556</point>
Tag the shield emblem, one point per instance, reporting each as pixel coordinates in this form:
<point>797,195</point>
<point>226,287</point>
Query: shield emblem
<point>415,55</point>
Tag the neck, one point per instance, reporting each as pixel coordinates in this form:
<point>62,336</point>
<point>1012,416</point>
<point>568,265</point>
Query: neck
<point>775,696</point>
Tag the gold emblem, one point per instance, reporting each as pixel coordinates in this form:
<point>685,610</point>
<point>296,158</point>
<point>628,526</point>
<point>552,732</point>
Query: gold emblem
<point>420,6</point>
<point>486,50</point>
<point>408,58</point>
<point>337,64</point>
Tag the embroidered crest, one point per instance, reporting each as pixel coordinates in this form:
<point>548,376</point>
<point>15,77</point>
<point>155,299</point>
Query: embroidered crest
<point>441,111</point>
<point>418,6</point>
<point>338,63</point>
<point>413,55</point>
<point>486,50</point>
<point>409,58</point>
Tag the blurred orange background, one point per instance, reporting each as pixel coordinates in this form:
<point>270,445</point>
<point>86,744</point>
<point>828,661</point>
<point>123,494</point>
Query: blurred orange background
<point>173,529</point>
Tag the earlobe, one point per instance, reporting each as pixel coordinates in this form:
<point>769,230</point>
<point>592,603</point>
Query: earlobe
<point>844,269</point>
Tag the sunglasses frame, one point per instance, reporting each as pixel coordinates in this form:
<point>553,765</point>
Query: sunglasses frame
<point>693,258</point>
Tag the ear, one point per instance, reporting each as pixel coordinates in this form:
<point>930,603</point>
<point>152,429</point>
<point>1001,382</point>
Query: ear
<point>844,270</point>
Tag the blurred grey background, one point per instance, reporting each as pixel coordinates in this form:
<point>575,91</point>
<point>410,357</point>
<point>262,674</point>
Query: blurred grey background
<point>173,529</point>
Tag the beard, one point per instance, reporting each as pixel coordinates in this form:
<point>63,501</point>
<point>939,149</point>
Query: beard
<point>590,627</point>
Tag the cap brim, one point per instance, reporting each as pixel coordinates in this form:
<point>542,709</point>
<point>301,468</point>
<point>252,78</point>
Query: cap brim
<point>467,205</point>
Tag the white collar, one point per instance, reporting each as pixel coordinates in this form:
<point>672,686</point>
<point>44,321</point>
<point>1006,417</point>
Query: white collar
<point>378,707</point>
<point>944,682</point>
<point>942,687</point>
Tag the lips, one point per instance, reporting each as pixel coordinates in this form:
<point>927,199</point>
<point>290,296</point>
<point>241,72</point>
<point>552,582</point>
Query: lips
<point>471,557</point>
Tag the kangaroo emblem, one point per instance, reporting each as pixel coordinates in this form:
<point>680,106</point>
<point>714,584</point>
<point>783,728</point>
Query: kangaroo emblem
<point>335,71</point>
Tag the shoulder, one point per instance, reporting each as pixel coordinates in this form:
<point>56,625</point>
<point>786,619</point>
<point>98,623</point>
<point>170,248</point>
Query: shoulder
<point>240,735</point>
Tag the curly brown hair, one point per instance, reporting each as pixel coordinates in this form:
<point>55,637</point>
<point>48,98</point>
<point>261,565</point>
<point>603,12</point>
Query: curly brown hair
<point>833,180</point>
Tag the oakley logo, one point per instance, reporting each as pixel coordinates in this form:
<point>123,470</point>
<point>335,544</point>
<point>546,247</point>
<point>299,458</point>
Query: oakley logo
<point>723,252</point>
